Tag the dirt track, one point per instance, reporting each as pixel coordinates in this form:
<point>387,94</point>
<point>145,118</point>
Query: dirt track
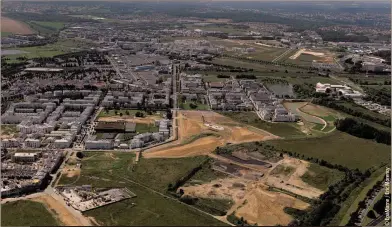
<point>64,215</point>
<point>191,124</point>
<point>13,26</point>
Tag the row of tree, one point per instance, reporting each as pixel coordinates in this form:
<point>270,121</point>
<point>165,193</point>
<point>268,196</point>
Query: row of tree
<point>362,130</point>
<point>341,106</point>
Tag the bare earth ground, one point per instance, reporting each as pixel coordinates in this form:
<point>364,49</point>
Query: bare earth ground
<point>326,57</point>
<point>252,199</point>
<point>13,26</point>
<point>191,124</point>
<point>62,213</point>
<point>145,120</point>
<point>293,181</point>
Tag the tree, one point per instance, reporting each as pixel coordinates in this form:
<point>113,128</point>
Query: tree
<point>127,112</point>
<point>193,105</point>
<point>371,214</point>
<point>115,112</point>
<point>121,114</point>
<point>79,154</point>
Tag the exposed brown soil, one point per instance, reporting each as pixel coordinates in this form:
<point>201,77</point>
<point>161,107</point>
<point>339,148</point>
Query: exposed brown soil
<point>13,26</point>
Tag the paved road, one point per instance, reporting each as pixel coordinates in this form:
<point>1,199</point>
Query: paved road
<point>370,205</point>
<point>377,221</point>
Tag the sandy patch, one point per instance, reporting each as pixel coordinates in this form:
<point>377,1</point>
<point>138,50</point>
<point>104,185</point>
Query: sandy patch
<point>62,213</point>
<point>145,120</point>
<point>251,199</point>
<point>13,26</point>
<point>71,171</point>
<point>293,181</point>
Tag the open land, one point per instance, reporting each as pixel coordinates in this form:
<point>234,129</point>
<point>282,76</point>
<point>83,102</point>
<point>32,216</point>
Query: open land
<point>338,148</point>
<point>191,124</point>
<point>148,179</point>
<point>14,26</point>
<point>27,213</point>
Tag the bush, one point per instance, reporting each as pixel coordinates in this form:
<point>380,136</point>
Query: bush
<point>193,106</point>
<point>139,114</point>
<point>79,154</point>
<point>371,214</point>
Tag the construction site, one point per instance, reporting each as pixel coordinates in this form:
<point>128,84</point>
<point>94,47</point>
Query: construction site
<point>260,193</point>
<point>201,132</point>
<point>84,198</point>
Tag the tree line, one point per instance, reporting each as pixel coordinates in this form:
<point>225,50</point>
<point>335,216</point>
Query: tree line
<point>362,130</point>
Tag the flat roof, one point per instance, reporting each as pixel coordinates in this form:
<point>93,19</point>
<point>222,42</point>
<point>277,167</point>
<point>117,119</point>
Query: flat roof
<point>40,69</point>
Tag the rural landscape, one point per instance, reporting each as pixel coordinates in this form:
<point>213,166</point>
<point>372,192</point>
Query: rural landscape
<point>195,113</point>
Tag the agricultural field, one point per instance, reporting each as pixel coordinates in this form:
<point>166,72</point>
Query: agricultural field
<point>218,27</point>
<point>147,180</point>
<point>27,213</point>
<point>338,148</point>
<point>62,46</point>
<point>46,25</point>
<point>286,130</point>
<point>146,121</point>
<point>192,123</point>
<point>14,26</point>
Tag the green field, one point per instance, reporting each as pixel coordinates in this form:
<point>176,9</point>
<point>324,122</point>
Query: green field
<point>146,179</point>
<point>303,59</point>
<point>286,130</point>
<point>321,177</point>
<point>199,106</point>
<point>26,213</point>
<point>142,128</point>
<point>49,25</point>
<point>62,46</point>
<point>8,129</point>
<point>5,34</point>
<point>205,175</point>
<point>338,148</point>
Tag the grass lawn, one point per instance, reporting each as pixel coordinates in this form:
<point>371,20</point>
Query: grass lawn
<point>131,113</point>
<point>199,106</point>
<point>142,128</point>
<point>111,169</point>
<point>62,46</point>
<point>205,175</point>
<point>283,170</point>
<point>357,195</point>
<point>5,34</point>
<point>321,177</point>
<point>50,25</point>
<point>287,130</point>
<point>26,213</point>
<point>8,129</point>
<point>338,148</point>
